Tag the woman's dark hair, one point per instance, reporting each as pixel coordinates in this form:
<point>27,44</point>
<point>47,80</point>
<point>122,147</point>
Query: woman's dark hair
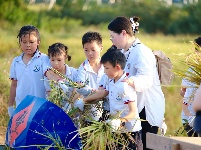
<point>124,23</point>
<point>58,49</point>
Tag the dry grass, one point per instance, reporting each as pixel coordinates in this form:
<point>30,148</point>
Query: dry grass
<point>2,135</point>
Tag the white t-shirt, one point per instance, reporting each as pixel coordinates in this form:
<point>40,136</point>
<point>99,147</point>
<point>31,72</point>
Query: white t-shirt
<point>141,67</point>
<point>105,83</point>
<point>85,72</point>
<point>120,94</point>
<point>29,77</point>
<point>71,73</point>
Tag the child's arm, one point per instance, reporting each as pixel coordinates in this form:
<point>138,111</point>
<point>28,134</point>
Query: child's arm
<point>132,112</point>
<point>97,95</point>
<point>182,91</point>
<point>52,76</point>
<point>12,93</point>
<point>197,100</point>
<point>186,110</point>
<point>13,87</point>
<point>75,95</point>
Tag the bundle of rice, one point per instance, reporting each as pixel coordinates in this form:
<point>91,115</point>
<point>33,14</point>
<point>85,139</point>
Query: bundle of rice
<point>191,66</point>
<point>100,136</point>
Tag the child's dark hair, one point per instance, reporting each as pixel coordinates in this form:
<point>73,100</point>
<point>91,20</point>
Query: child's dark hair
<point>28,29</point>
<point>114,57</point>
<point>58,49</point>
<point>197,43</point>
<point>92,37</point>
<point>130,25</point>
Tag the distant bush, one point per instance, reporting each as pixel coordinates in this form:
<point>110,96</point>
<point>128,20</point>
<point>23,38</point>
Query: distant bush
<point>156,16</point>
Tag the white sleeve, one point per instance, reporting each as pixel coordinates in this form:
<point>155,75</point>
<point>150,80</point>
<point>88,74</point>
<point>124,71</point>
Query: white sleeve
<point>74,73</point>
<point>46,64</point>
<point>144,77</point>
<point>81,75</point>
<point>185,83</point>
<point>127,92</point>
<point>188,96</point>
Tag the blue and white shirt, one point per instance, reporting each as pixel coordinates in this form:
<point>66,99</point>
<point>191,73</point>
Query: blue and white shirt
<point>85,72</point>
<point>29,76</point>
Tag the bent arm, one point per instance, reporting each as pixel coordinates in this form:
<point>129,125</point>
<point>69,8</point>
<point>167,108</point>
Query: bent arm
<point>132,112</point>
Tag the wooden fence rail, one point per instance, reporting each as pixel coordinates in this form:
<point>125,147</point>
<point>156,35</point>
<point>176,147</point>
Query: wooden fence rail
<point>158,142</point>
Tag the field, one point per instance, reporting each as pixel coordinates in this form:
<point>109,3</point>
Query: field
<point>174,46</point>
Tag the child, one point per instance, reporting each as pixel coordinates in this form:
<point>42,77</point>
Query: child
<point>187,92</point>
<point>58,53</point>
<point>91,69</point>
<point>26,70</point>
<point>122,97</point>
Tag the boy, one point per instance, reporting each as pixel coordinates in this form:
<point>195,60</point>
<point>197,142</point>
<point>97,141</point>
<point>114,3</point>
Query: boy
<point>91,70</point>
<point>122,97</point>
<point>187,92</point>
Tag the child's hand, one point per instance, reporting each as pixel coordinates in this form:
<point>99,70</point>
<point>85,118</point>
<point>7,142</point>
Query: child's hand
<point>128,80</point>
<point>115,124</point>
<point>67,107</point>
<point>10,111</point>
<point>163,128</point>
<point>85,91</point>
<point>79,103</point>
<point>63,86</point>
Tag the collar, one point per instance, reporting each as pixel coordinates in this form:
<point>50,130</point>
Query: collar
<point>87,67</point>
<point>36,55</point>
<point>137,41</point>
<point>120,79</point>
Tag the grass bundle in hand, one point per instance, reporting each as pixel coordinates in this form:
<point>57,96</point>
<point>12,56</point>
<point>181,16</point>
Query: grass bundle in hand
<point>99,135</point>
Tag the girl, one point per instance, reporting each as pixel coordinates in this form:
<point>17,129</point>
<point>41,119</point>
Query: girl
<point>142,72</point>
<point>26,70</point>
<point>58,53</point>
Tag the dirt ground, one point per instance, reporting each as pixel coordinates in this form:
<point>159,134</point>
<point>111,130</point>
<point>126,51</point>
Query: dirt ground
<point>2,135</point>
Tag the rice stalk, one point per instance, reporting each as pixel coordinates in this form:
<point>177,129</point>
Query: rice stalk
<point>100,135</point>
<point>191,68</point>
<point>69,82</point>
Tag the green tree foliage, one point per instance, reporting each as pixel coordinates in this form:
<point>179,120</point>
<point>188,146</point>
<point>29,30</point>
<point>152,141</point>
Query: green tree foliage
<point>156,16</point>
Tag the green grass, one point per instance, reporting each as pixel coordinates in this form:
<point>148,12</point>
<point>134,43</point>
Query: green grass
<point>173,46</point>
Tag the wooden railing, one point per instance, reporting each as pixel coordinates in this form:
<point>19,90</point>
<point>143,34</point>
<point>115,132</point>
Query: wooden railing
<point>158,142</point>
